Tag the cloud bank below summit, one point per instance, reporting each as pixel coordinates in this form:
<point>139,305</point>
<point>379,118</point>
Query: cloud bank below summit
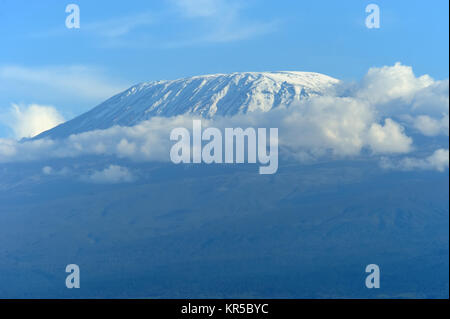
<point>379,115</point>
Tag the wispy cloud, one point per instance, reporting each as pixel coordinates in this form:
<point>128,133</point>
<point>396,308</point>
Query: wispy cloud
<point>120,26</point>
<point>113,27</point>
<point>186,23</point>
<point>72,80</point>
<point>203,8</point>
<point>223,21</point>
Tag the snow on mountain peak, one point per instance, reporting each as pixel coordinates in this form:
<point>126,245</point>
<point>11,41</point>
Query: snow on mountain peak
<point>207,95</point>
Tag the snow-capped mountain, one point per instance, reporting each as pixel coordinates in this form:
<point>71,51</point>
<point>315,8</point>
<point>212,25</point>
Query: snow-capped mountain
<point>208,96</point>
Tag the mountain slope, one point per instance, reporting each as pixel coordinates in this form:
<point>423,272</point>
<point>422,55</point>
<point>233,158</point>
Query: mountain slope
<point>208,96</point>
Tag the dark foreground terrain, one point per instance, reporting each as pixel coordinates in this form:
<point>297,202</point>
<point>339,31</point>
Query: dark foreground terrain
<point>224,231</point>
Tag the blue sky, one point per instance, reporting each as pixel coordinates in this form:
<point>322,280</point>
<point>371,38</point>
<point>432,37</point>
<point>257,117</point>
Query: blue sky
<point>121,43</point>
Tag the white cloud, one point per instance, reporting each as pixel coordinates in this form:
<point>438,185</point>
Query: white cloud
<point>8,149</point>
<point>439,161</point>
<point>341,126</point>
<point>332,126</point>
<point>74,81</point>
<point>421,102</point>
<point>33,119</point>
<point>381,85</point>
<point>432,127</point>
<point>324,123</point>
<point>433,99</point>
<point>110,175</point>
<point>389,138</point>
<point>147,141</point>
<point>48,170</point>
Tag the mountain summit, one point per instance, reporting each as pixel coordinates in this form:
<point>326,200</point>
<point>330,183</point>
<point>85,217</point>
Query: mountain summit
<point>208,96</point>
